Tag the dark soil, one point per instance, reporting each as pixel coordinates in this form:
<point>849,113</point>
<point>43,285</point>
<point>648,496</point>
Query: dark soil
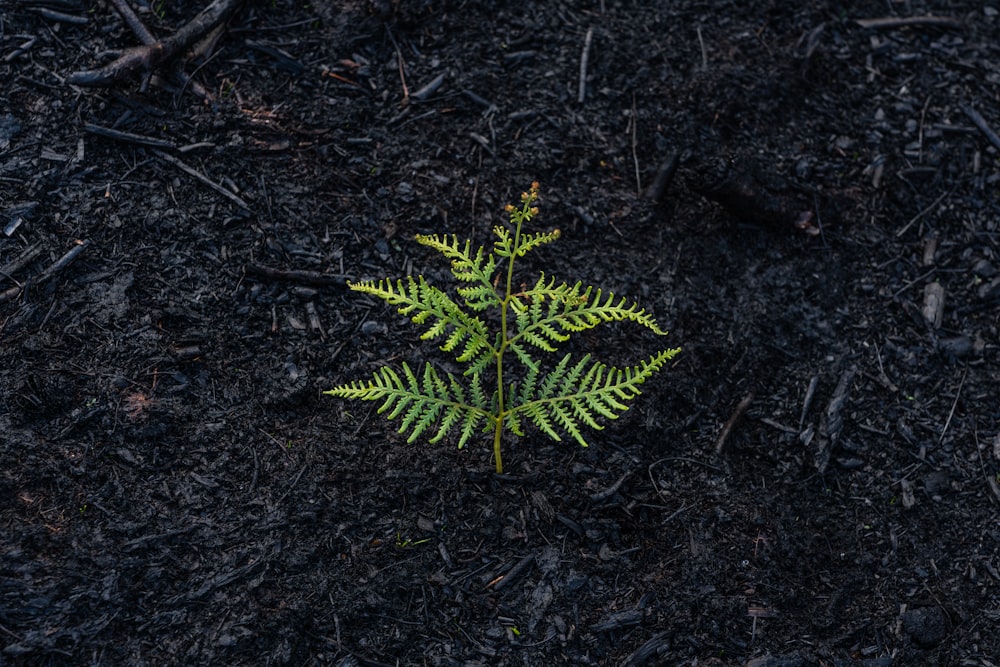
<point>814,481</point>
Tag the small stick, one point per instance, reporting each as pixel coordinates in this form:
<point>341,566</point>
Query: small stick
<point>635,144</point>
<point>902,230</point>
<point>204,179</point>
<point>127,136</point>
<point>134,22</point>
<point>704,52</point>
<point>981,123</point>
<point>954,404</point>
<point>584,59</point>
<point>60,17</point>
<point>611,490</point>
<point>149,56</point>
<point>15,265</point>
<point>890,22</point>
<point>728,428</point>
<point>298,276</point>
<point>402,72</point>
<point>64,261</point>
<point>54,268</point>
<point>430,88</point>
<point>807,401</point>
<point>664,176</point>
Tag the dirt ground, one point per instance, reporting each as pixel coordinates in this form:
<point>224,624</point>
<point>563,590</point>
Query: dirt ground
<point>814,481</point>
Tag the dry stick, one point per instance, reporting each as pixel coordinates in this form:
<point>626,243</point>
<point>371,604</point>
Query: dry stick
<point>15,265</point>
<point>807,401</point>
<point>402,73</point>
<point>635,145</point>
<point>728,428</point>
<point>902,230</point>
<point>50,271</point>
<point>584,59</point>
<point>134,22</point>
<point>990,481</point>
<point>64,261</point>
<point>981,124</point>
<point>664,176</point>
<point>298,276</point>
<point>891,22</point>
<point>954,404</point>
<point>204,179</point>
<point>704,52</point>
<point>150,56</point>
<point>61,17</point>
<point>431,88</point>
<point>611,490</point>
<point>127,136</point>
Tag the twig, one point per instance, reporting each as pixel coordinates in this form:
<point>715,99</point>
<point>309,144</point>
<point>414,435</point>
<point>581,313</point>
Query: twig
<point>26,257</point>
<point>635,144</point>
<point>127,136</point>
<point>890,22</point>
<point>134,22</point>
<point>954,404</point>
<point>150,56</point>
<point>981,123</point>
<point>664,176</point>
<point>204,179</point>
<point>833,421</point>
<point>64,261</point>
<point>611,490</point>
<point>990,480</point>
<point>51,270</point>
<point>807,401</point>
<point>902,230</point>
<point>298,276</point>
<point>431,88</point>
<point>704,52</point>
<point>728,428</point>
<point>60,17</point>
<point>584,59</point>
<point>402,65</point>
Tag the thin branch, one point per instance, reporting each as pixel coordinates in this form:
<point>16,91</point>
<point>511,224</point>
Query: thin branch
<point>584,59</point>
<point>981,124</point>
<point>728,428</point>
<point>201,177</point>
<point>890,22</point>
<point>150,56</point>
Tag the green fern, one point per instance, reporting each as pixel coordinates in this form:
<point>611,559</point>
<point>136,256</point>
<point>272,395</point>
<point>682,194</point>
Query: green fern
<point>573,395</point>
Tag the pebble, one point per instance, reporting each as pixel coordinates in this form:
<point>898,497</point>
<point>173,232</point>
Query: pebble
<point>926,626</point>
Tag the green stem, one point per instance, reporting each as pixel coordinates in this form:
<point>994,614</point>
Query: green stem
<point>505,339</point>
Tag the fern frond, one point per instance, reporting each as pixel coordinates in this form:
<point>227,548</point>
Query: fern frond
<point>569,397</point>
<point>467,335</point>
<point>426,402</point>
<point>555,311</point>
<point>476,272</point>
<point>529,242</point>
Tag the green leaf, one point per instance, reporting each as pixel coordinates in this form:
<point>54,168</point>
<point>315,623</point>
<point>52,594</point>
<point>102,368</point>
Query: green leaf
<point>476,269</point>
<point>432,308</point>
<point>570,397</point>
<point>425,402</point>
<point>556,311</point>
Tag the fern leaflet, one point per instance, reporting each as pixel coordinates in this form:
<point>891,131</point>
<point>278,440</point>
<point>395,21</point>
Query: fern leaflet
<point>427,305</point>
<point>423,403</point>
<point>569,397</point>
<point>548,313</point>
<point>474,272</point>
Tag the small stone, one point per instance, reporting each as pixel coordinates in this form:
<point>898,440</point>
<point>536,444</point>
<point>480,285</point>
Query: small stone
<point>926,626</point>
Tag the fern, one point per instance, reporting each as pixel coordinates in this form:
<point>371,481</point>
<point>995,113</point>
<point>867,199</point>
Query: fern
<point>563,401</point>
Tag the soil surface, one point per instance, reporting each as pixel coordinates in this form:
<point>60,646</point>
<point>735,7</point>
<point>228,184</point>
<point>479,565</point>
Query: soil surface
<point>815,479</point>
